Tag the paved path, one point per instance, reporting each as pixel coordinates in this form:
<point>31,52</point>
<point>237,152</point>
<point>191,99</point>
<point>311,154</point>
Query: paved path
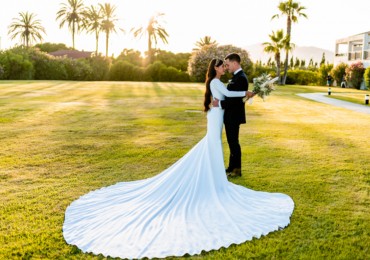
<point>321,97</point>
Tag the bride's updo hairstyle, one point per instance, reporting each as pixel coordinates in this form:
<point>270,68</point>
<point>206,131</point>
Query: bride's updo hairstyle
<point>211,74</point>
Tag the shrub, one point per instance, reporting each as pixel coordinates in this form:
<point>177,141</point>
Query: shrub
<point>99,68</point>
<point>172,74</point>
<point>16,65</point>
<point>339,72</point>
<point>301,77</point>
<point>47,67</point>
<point>77,69</point>
<point>323,72</point>
<point>152,72</point>
<point>367,77</point>
<point>355,74</point>
<point>259,69</point>
<point>1,72</point>
<point>122,70</point>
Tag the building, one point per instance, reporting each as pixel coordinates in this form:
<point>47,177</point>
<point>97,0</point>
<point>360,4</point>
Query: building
<point>73,54</point>
<point>353,49</point>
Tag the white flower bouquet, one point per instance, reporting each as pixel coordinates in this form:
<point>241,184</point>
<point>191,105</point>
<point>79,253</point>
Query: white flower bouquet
<point>262,87</point>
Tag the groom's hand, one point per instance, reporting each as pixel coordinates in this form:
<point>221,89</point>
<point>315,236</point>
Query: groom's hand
<point>215,102</point>
<point>250,94</point>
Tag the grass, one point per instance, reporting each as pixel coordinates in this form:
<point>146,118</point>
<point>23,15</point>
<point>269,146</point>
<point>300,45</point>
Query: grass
<point>60,140</point>
<point>350,95</point>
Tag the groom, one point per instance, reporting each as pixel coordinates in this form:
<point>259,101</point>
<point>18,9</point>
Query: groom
<point>234,112</point>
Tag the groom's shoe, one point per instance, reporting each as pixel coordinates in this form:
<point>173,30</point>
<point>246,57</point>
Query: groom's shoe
<point>228,170</point>
<point>236,172</point>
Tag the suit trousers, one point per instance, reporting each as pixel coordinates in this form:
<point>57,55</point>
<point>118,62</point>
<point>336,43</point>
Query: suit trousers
<point>232,135</point>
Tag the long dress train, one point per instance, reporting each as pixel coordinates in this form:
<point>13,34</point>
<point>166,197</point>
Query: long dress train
<point>188,208</point>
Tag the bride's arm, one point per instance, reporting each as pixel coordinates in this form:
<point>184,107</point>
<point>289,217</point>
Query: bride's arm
<point>221,87</point>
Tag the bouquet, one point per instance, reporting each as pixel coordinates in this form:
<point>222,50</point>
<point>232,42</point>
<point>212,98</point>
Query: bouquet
<point>262,87</point>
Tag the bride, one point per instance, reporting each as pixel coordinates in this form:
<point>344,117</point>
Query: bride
<point>187,208</point>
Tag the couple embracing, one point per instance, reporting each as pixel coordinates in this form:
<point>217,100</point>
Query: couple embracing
<point>189,207</point>
<point>233,106</point>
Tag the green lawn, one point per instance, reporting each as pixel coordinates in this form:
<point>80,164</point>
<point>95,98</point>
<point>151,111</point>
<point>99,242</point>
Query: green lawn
<point>60,140</point>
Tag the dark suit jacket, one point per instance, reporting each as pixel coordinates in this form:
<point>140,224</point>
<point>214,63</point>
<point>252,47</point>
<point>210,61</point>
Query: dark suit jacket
<point>234,106</point>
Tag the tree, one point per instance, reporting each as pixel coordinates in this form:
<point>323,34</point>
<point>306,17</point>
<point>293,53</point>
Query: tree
<point>108,22</point>
<point>199,60</point>
<point>176,60</point>
<point>92,23</point>
<point>322,59</point>
<point>51,47</point>
<point>291,63</point>
<point>338,72</point>
<point>277,43</point>
<point>292,10</point>
<point>71,14</point>
<point>310,63</point>
<point>312,66</point>
<point>269,62</point>
<point>130,55</point>
<point>297,63</point>
<point>27,28</point>
<point>206,40</point>
<point>154,30</point>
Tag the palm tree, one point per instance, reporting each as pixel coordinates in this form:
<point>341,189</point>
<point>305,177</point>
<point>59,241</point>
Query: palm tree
<point>27,28</point>
<point>93,23</point>
<point>292,10</point>
<point>108,22</point>
<point>154,30</point>
<point>71,14</point>
<point>278,42</point>
<point>207,40</point>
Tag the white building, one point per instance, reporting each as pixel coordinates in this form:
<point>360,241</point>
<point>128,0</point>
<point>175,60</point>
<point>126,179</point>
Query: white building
<point>353,49</point>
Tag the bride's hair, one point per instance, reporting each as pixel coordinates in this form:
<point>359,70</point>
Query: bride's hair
<point>211,74</point>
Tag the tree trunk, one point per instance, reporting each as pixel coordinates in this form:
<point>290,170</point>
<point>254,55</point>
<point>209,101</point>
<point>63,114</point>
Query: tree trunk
<point>150,52</point>
<point>97,43</point>
<point>277,59</point>
<point>289,25</point>
<point>106,43</point>
<point>73,35</point>
<point>285,67</point>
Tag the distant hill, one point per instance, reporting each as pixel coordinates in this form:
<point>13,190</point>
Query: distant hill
<point>301,52</point>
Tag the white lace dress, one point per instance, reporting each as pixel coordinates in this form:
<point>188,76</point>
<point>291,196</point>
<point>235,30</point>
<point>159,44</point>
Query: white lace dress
<point>187,208</point>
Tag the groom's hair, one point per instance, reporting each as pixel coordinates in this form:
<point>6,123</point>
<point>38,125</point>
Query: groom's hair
<point>233,57</point>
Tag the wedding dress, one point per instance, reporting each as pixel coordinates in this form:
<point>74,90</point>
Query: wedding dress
<point>188,208</point>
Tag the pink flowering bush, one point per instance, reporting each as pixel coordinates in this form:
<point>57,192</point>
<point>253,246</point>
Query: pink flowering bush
<point>355,74</point>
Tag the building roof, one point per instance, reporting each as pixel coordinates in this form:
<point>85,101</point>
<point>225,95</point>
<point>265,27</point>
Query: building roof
<point>73,54</point>
<point>355,37</point>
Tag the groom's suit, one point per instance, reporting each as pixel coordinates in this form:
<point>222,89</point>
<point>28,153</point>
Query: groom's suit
<point>233,117</point>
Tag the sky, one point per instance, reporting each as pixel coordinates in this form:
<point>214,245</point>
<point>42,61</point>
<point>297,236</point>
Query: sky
<point>237,22</point>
